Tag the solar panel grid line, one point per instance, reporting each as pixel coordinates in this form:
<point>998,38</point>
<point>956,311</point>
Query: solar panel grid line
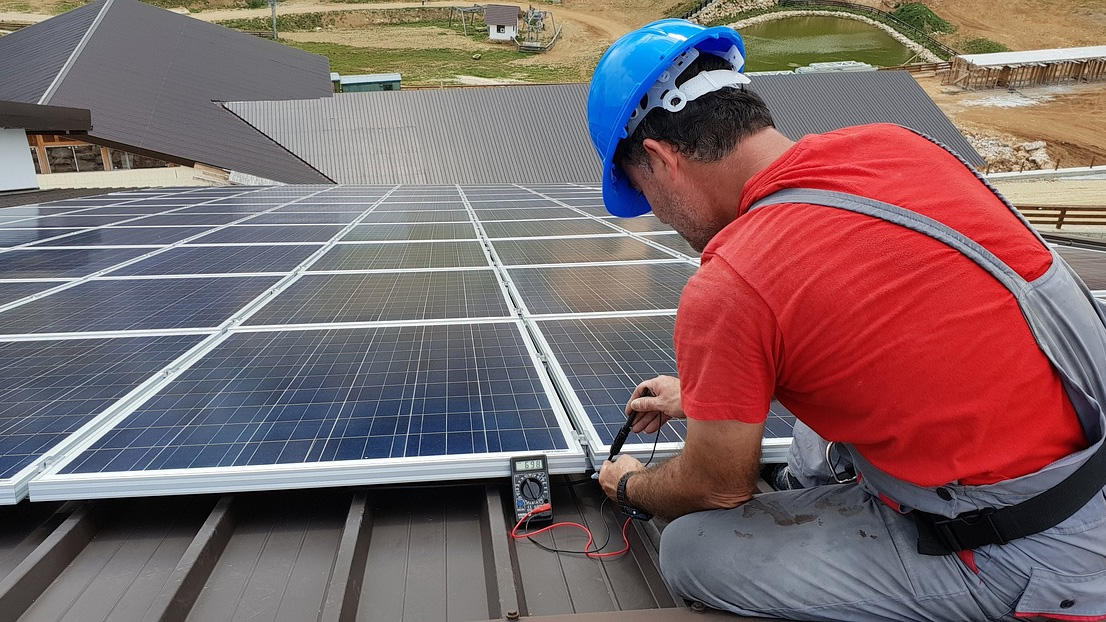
<point>94,227</point>
<point>106,334</point>
<point>513,301</point>
<point>14,487</point>
<point>626,286</point>
<point>315,326</point>
<point>89,277</point>
<point>65,480</point>
<point>558,201</point>
<point>106,421</point>
<point>82,209</point>
<point>597,448</point>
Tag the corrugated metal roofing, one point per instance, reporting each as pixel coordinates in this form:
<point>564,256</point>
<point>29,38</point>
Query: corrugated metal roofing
<point>151,79</point>
<point>501,15</point>
<point>33,56</point>
<point>814,103</point>
<point>998,59</point>
<point>396,555</point>
<point>539,133</point>
<point>526,134</point>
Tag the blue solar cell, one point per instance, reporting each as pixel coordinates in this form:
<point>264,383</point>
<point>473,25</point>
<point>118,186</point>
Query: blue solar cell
<point>132,304</point>
<point>676,242</point>
<point>222,260</point>
<point>10,292</point>
<point>465,254</point>
<point>416,216</point>
<point>18,237</point>
<point>605,358</point>
<point>589,289</point>
<point>300,218</point>
<point>321,396</point>
<point>77,221</point>
<point>411,231</point>
<point>538,213</point>
<point>54,263</point>
<point>261,234</point>
<point>640,224</point>
<point>539,228</point>
<point>186,219</point>
<point>48,389</point>
<point>569,250</point>
<point>386,296</point>
<point>124,236</point>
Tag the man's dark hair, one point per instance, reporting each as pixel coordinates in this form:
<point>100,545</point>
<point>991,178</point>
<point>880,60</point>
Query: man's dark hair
<point>707,129</point>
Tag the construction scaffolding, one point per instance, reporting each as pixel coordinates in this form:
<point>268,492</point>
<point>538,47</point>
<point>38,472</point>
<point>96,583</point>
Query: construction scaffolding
<point>1029,68</point>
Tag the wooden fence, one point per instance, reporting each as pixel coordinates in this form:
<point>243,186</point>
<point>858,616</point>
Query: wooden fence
<point>919,67</point>
<point>966,74</point>
<point>1060,215</point>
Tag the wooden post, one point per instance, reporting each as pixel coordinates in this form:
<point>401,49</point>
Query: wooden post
<point>1092,161</point>
<point>107,158</point>
<point>1022,169</point>
<point>1057,164</point>
<point>1060,220</point>
<point>40,151</point>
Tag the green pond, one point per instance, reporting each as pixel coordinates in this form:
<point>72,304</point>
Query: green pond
<point>792,42</point>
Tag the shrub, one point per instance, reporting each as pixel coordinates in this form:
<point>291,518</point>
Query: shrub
<point>981,46</point>
<point>919,16</point>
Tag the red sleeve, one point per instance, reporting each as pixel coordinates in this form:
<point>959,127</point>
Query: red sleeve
<point>727,345</point>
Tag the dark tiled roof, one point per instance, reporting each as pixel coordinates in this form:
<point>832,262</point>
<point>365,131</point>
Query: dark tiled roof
<point>35,118</point>
<point>151,79</point>
<point>538,134</point>
<point>501,15</point>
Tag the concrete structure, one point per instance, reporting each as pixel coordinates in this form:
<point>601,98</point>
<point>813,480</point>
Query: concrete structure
<point>502,21</point>
<point>17,169</point>
<point>1029,67</point>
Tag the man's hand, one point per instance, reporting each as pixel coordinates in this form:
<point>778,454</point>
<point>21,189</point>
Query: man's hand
<point>654,411</point>
<point>611,472</point>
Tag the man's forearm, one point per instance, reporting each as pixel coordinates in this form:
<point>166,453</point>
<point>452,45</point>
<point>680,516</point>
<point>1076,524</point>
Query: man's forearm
<point>669,490</point>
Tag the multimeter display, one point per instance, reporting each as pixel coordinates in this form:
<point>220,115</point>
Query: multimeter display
<point>530,487</point>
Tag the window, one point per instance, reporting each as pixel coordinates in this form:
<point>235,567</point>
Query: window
<point>501,29</point>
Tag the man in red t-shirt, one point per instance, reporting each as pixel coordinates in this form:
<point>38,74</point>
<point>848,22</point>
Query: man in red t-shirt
<point>891,342</point>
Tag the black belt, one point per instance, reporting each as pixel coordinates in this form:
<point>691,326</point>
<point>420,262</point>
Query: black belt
<point>940,535</point>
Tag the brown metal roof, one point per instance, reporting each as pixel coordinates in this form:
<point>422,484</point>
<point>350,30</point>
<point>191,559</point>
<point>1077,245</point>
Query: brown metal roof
<point>501,15</point>
<point>44,119</point>
<point>389,554</point>
<point>152,79</point>
<point>539,133</point>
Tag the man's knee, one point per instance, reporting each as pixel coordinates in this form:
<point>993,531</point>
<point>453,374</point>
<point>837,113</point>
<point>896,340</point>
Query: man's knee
<point>691,557</point>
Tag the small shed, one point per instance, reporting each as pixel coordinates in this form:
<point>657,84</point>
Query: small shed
<point>1028,68</point>
<point>502,21</point>
<point>369,82</point>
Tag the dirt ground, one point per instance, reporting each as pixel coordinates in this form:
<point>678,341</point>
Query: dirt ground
<point>1068,118</point>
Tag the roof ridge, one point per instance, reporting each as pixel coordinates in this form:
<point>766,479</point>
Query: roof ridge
<point>56,82</point>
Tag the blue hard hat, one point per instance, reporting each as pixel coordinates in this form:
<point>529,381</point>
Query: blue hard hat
<point>628,72</point>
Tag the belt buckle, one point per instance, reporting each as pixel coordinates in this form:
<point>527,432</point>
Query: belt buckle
<point>969,530</point>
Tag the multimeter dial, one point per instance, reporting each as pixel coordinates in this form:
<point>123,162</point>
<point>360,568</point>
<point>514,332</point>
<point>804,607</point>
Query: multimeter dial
<point>530,487</point>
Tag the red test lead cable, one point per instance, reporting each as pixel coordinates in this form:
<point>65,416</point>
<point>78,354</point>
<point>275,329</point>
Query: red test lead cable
<point>592,554</point>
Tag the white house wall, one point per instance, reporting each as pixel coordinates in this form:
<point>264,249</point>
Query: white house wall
<point>17,169</point>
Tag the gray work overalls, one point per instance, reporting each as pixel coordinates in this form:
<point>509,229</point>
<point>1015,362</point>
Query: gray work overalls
<point>1060,573</point>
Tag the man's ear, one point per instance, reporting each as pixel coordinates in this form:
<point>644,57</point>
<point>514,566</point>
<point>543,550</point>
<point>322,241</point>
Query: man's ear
<point>662,155</point>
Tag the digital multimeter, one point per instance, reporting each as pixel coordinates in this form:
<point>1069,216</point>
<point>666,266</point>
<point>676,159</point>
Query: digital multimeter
<point>530,487</point>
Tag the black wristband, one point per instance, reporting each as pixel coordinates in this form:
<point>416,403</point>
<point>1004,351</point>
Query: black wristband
<point>623,500</point>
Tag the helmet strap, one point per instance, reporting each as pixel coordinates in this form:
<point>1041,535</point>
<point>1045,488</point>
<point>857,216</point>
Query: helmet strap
<point>665,94</point>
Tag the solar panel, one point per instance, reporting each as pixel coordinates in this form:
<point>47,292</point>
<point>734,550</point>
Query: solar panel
<point>676,242</point>
<point>569,250</point>
<point>640,224</point>
<point>592,289</point>
<point>49,389</point>
<point>186,219</point>
<point>1090,265</point>
<point>77,221</point>
<point>10,292</point>
<point>419,206</point>
<point>329,207</point>
<point>132,304</point>
<point>323,408</point>
<point>413,231</point>
<point>294,218</point>
<point>601,360</point>
<point>542,213</point>
<point>386,296</point>
<point>410,216</point>
<point>531,228</point>
<point>222,260</point>
<point>270,233</point>
<point>392,256</point>
<point>18,237</point>
<point>52,263</point>
<point>123,236</point>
